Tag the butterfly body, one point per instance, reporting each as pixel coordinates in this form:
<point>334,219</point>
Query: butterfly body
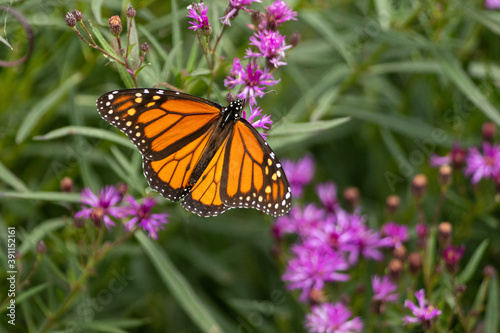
<point>198,152</point>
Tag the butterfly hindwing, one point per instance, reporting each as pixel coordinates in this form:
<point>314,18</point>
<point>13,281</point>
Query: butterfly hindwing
<point>252,176</point>
<point>204,197</point>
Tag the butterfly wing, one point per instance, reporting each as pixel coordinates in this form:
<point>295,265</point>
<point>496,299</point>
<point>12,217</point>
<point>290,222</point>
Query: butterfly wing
<point>204,198</point>
<point>170,129</point>
<point>252,176</point>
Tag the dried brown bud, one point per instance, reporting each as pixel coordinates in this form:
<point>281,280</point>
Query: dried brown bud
<point>67,184</point>
<point>40,247</point>
<point>144,47</point>
<point>445,175</point>
<point>391,204</point>
<point>295,38</point>
<point>77,14</point>
<point>316,296</point>
<point>444,233</point>
<point>415,262</point>
<point>96,215</point>
<point>418,186</point>
<point>399,252</point>
<point>115,25</point>
<point>122,189</point>
<point>351,195</point>
<point>256,18</point>
<point>131,12</point>
<point>489,130</point>
<point>395,268</point>
<point>70,20</point>
<point>489,271</point>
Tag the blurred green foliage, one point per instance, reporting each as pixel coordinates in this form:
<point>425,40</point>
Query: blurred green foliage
<point>412,76</point>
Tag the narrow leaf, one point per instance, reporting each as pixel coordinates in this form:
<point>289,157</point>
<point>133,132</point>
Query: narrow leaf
<point>8,177</point>
<point>473,263</point>
<point>46,196</point>
<point>492,318</point>
<point>179,286</point>
<point>38,233</point>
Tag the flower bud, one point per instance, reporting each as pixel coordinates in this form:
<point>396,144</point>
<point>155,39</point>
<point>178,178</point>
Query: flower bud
<point>131,12</point>
<point>256,18</point>
<point>457,156</point>
<point>415,262</point>
<point>422,233</point>
<point>67,185</point>
<point>77,14</point>
<point>489,130</point>
<point>40,247</point>
<point>452,255</point>
<point>115,25</point>
<point>489,271</point>
<point>445,175</point>
<point>418,186</point>
<point>96,215</point>
<point>391,204</point>
<point>351,195</point>
<point>316,296</point>
<point>399,252</point>
<point>395,268</point>
<point>122,189</point>
<point>70,20</point>
<point>295,38</point>
<point>144,47</point>
<point>444,233</point>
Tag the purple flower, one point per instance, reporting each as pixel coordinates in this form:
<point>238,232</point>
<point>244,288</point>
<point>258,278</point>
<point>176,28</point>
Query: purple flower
<point>312,267</point>
<point>455,158</point>
<point>384,290</point>
<point>271,46</point>
<point>264,122</point>
<point>492,4</point>
<point>234,7</point>
<point>198,12</point>
<point>485,165</point>
<point>332,318</point>
<point>327,194</point>
<point>277,14</point>
<point>299,173</point>
<point>102,206</point>
<point>397,233</point>
<point>142,216</point>
<point>300,220</point>
<point>452,255</point>
<point>333,235</point>
<point>423,313</point>
<point>252,77</point>
<point>369,244</point>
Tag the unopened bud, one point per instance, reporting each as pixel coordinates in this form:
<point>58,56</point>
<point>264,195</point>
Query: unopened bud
<point>444,233</point>
<point>122,189</point>
<point>131,12</point>
<point>295,38</point>
<point>399,252</point>
<point>115,25</point>
<point>70,20</point>
<point>489,271</point>
<point>77,14</point>
<point>392,203</point>
<point>144,47</point>
<point>316,296</point>
<point>96,215</point>
<point>256,18</point>
<point>415,262</point>
<point>67,184</point>
<point>445,175</point>
<point>395,268</point>
<point>40,247</point>
<point>489,130</point>
<point>418,186</point>
<point>351,195</point>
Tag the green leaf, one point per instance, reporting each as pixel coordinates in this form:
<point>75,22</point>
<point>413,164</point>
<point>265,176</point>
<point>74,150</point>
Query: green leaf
<point>492,319</point>
<point>176,32</point>
<point>38,233</point>
<point>473,263</point>
<point>327,30</point>
<point>9,178</point>
<point>179,286</point>
<point>86,131</point>
<point>96,6</point>
<point>33,116</point>
<point>26,294</point>
<point>308,128</point>
<point>46,196</point>
<point>452,69</point>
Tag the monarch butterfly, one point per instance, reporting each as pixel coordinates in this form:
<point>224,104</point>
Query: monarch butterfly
<point>199,152</point>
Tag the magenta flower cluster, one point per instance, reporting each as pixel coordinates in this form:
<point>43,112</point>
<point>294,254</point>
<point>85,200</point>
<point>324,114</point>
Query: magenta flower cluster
<point>477,162</point>
<point>330,241</point>
<point>109,205</point>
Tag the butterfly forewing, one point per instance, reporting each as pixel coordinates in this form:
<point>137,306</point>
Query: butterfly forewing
<point>159,122</point>
<point>252,175</point>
